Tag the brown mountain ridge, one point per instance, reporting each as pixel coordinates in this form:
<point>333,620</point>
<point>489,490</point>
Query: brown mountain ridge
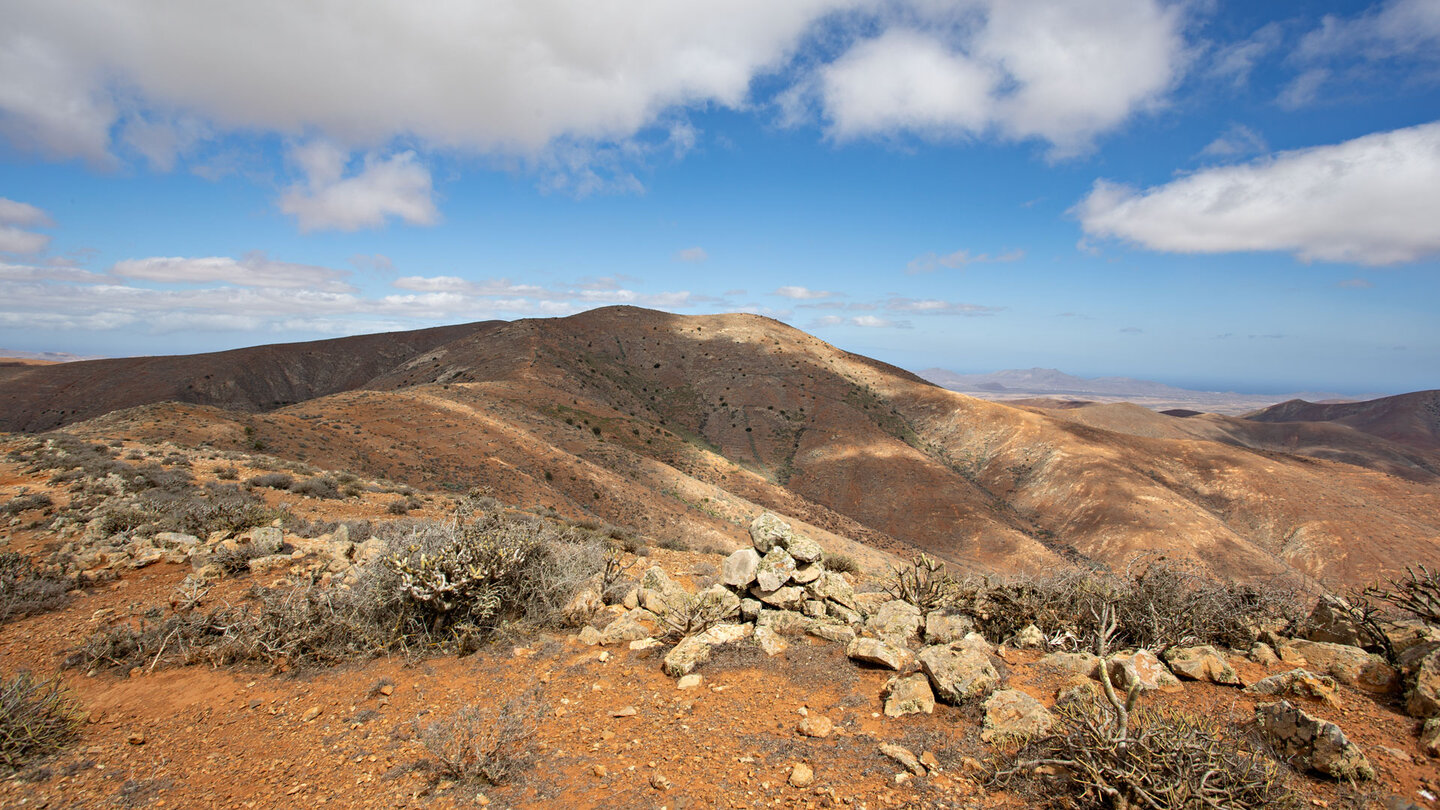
<point>687,427</point>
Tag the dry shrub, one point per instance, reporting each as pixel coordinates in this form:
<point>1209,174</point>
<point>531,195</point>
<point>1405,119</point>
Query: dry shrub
<point>1157,604</point>
<point>22,503</point>
<point>1417,593</point>
<point>319,487</point>
<point>483,743</point>
<point>36,719</point>
<point>1105,753</point>
<point>842,564</point>
<point>26,590</point>
<point>688,614</point>
<point>272,480</point>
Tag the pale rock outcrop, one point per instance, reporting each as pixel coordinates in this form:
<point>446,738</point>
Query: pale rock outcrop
<point>958,675</point>
<point>877,652</point>
<point>1312,743</point>
<point>1010,713</point>
<point>909,694</point>
<point>1202,663</point>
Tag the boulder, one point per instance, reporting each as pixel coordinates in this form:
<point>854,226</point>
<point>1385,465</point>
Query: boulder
<point>941,628</point>
<point>1010,714</point>
<point>738,570</point>
<point>806,573</point>
<point>834,587</point>
<point>958,675</point>
<point>814,608</point>
<point>897,622</point>
<point>774,570</point>
<point>268,538</point>
<point>1297,683</point>
<point>1430,737</point>
<point>804,550</point>
<point>908,694</point>
<point>1330,622</point>
<point>790,597</point>
<point>768,531</point>
<point>1349,665</point>
<point>633,626</point>
<point>1423,699</point>
<point>1143,668</point>
<point>1029,637</point>
<point>837,633</point>
<point>1084,664</point>
<point>877,652</point>
<point>1202,663</point>
<point>1312,743</point>
<point>693,651</point>
<point>1407,634</point>
<point>655,579</point>
<point>769,641</point>
<point>784,622</point>
<point>843,614</point>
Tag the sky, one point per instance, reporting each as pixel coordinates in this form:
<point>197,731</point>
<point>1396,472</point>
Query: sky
<point>1215,194</point>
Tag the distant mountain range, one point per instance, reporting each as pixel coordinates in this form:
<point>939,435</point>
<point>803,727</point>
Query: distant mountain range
<point>1014,384</point>
<point>44,357</point>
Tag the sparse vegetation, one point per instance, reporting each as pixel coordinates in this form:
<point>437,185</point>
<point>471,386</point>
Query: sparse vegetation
<point>1107,754</point>
<point>36,719</point>
<point>26,589</point>
<point>485,744</point>
<point>690,614</point>
<point>1418,593</point>
<point>272,480</point>
<point>23,503</point>
<point>924,584</point>
<point>842,564</point>
<point>318,487</point>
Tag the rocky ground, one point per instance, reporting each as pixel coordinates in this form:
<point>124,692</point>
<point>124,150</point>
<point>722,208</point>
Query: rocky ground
<point>817,689</point>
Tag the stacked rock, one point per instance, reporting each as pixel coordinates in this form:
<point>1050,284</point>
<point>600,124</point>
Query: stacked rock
<point>782,580</point>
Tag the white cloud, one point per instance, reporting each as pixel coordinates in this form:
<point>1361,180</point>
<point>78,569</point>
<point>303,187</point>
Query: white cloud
<point>1236,141</point>
<point>876,322</point>
<point>1372,200</point>
<point>930,262</point>
<point>692,254</point>
<point>15,240</point>
<point>18,240</point>
<point>254,270</point>
<point>1234,62</point>
<point>1303,89</point>
<point>1064,71</point>
<point>397,186</point>
<point>19,213</point>
<point>508,75</point>
<point>803,293</point>
<point>934,306</point>
<point>1397,28</point>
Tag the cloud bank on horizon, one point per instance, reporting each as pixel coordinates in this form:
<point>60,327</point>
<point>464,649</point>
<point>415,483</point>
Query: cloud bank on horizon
<point>355,129</point>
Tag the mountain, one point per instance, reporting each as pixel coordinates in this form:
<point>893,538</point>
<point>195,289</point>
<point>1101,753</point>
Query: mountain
<point>687,427</point>
<point>1015,384</point>
<point>41,357</point>
<point>36,398</point>
<point>1412,419</point>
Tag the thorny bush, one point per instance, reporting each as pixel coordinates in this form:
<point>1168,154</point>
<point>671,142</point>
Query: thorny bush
<point>479,743</point>
<point>26,589</point>
<point>36,719</point>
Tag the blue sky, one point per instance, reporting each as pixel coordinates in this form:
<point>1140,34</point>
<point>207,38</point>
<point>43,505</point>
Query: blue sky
<point>1214,194</point>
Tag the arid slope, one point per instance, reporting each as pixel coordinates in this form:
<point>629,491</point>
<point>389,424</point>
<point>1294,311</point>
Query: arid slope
<point>688,426</point>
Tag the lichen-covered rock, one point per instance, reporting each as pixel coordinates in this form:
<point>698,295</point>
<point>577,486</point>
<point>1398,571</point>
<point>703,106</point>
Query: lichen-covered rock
<point>585,603</point>
<point>1430,737</point>
<point>769,641</point>
<point>1423,699</point>
<point>768,531</point>
<point>806,573</point>
<point>877,652</point>
<point>693,651</point>
<point>909,694</point>
<point>1297,683</point>
<point>941,628</point>
<point>958,675</point>
<point>836,633</point>
<point>774,570</point>
<point>1084,663</point>
<point>833,587</point>
<point>1010,713</point>
<point>750,609</point>
<point>804,550</point>
<point>1263,654</point>
<point>1349,665</point>
<point>1202,663</point>
<point>843,614</point>
<point>814,608</point>
<point>1029,637</point>
<point>897,622</point>
<point>790,597</point>
<point>738,570</point>
<point>1143,668</point>
<point>904,756</point>
<point>1330,622</point>
<point>268,538</point>
<point>727,604</point>
<point>633,626</point>
<point>1312,743</point>
<point>784,622</point>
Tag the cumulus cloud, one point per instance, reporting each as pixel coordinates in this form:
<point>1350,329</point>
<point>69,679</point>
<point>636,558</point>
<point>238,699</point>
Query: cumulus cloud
<point>1373,200</point>
<point>862,321</point>
<point>509,75</point>
<point>254,270</point>
<point>692,254</point>
<point>17,240</point>
<point>384,187</point>
<point>930,262</point>
<point>1063,71</point>
<point>803,293</point>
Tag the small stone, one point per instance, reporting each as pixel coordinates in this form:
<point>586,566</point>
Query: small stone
<point>1312,743</point>
<point>659,782</point>
<point>644,643</point>
<point>310,714</point>
<point>135,738</point>
<point>904,756</point>
<point>770,642</point>
<point>802,776</point>
<point>628,711</point>
<point>599,770</point>
<point>816,725</point>
<point>689,681</point>
<point>1011,713</point>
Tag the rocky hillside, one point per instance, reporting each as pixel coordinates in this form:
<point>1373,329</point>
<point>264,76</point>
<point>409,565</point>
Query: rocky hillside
<point>216,657</point>
<point>1410,419</point>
